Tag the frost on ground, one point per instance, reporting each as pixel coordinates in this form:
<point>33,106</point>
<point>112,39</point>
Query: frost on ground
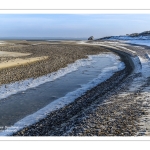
<point>145,96</point>
<point>140,85</point>
<point>125,37</point>
<point>140,40</point>
<point>7,90</point>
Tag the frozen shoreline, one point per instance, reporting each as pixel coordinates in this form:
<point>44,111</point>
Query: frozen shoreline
<point>12,88</point>
<point>61,102</point>
<point>104,104</point>
<point>61,121</point>
<point>126,97</point>
<point>142,40</point>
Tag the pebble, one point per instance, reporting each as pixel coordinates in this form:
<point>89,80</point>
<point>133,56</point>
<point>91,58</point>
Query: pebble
<point>144,104</point>
<point>69,54</point>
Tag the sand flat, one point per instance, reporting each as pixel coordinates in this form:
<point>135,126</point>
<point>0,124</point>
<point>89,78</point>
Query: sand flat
<point>19,61</point>
<point>13,54</point>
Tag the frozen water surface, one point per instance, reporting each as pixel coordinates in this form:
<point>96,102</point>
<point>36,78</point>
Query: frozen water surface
<point>32,99</point>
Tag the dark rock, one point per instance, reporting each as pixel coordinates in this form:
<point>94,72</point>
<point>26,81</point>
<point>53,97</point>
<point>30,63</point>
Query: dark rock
<point>91,38</point>
<point>145,33</point>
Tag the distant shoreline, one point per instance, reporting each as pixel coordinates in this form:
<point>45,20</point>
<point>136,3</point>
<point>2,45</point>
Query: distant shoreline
<point>59,56</point>
<point>43,39</point>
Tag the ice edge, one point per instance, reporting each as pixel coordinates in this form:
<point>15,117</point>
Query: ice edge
<point>71,96</point>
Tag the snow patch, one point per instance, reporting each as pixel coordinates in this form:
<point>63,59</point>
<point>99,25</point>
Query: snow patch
<point>145,66</point>
<point>129,38</point>
<point>137,64</point>
<point>139,42</point>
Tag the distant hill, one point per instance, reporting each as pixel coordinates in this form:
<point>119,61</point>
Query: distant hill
<point>134,36</point>
<point>145,33</point>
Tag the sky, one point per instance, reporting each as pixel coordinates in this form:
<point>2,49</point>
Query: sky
<point>71,25</point>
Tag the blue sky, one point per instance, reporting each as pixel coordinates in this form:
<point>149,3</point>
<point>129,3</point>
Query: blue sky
<point>72,25</point>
